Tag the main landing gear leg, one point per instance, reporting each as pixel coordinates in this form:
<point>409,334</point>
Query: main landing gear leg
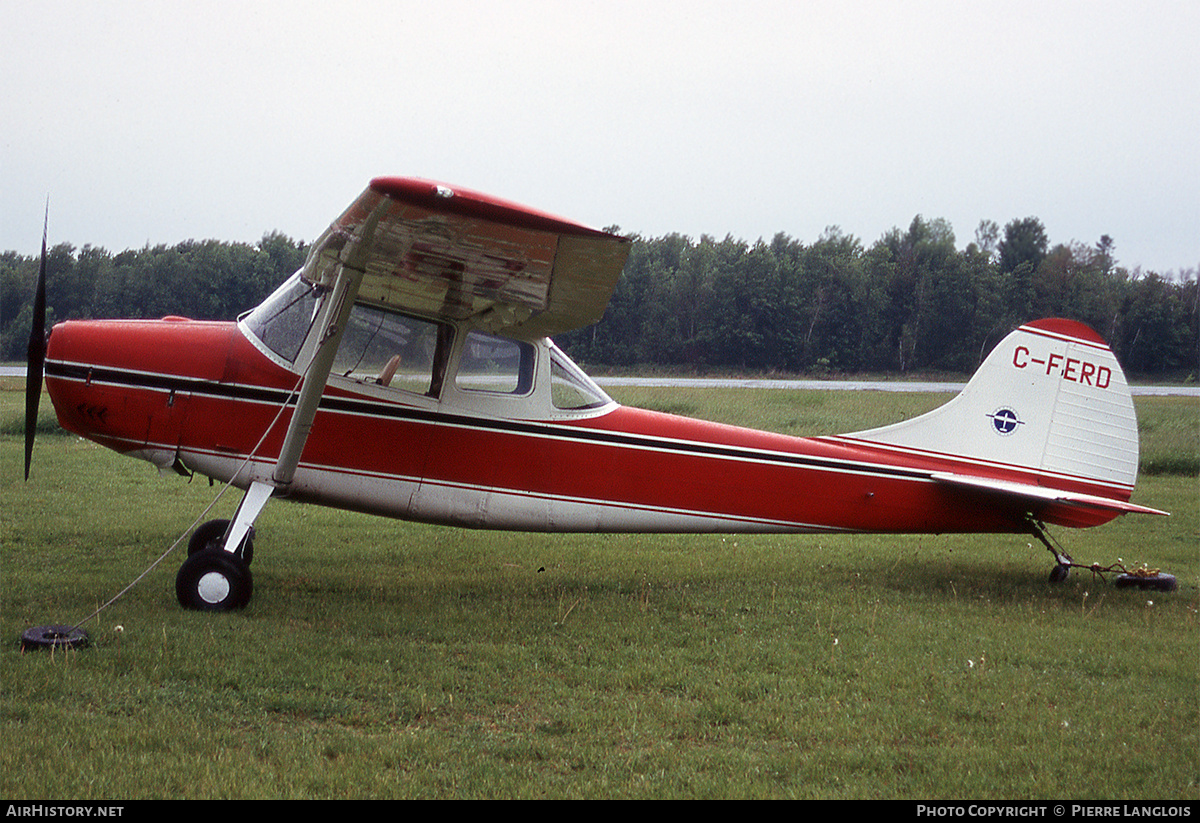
<point>216,575</point>
<point>1062,560</point>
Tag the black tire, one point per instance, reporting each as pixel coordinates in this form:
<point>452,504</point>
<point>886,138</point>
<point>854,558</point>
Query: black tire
<point>1059,573</point>
<point>213,580</point>
<point>1157,582</point>
<point>53,637</point>
<point>209,536</point>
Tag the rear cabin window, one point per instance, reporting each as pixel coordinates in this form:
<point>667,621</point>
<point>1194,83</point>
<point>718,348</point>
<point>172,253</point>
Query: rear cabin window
<point>570,388</point>
<point>495,364</point>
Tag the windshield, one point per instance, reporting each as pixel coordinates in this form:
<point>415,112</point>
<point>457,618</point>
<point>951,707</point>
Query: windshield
<point>282,321</point>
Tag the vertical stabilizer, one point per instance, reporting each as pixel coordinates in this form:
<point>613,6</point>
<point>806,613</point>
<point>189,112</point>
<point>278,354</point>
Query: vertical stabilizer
<point>1050,399</point>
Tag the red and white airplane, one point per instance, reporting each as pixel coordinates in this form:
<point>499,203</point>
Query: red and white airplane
<point>407,370</point>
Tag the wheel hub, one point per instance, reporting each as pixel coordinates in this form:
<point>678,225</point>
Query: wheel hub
<point>213,587</point>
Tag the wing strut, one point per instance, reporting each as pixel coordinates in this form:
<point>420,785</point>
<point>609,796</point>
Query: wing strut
<point>340,302</point>
<point>335,312</point>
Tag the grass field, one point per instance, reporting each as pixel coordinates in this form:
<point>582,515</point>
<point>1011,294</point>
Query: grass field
<point>392,660</point>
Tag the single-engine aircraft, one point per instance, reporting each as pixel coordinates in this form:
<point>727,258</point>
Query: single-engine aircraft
<point>407,371</point>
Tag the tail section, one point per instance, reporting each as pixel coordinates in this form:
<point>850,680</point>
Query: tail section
<point>1048,416</point>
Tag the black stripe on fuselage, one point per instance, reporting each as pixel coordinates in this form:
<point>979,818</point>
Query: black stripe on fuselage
<point>375,408</point>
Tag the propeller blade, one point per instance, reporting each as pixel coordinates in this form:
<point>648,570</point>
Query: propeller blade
<point>36,355</point>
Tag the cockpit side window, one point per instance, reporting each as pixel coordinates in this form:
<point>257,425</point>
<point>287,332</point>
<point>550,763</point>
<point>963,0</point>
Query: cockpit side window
<point>393,350</point>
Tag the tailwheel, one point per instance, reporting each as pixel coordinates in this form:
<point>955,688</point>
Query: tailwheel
<point>1062,560</point>
<point>214,580</point>
<point>1143,578</point>
<point>211,535</point>
<point>1059,573</point>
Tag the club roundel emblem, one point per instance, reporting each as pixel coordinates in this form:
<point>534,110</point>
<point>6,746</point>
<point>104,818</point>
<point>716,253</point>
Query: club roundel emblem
<point>1005,421</point>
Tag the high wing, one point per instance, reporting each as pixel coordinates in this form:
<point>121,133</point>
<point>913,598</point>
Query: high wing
<point>449,252</point>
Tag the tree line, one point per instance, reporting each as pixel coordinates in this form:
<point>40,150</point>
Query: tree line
<point>910,302</point>
<point>204,280</point>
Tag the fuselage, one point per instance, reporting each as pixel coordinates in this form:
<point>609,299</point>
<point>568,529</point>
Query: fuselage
<point>212,398</point>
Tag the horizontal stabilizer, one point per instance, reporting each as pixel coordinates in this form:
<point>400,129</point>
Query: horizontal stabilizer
<point>1041,494</point>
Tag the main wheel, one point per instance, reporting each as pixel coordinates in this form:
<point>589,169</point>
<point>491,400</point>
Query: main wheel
<point>213,580</point>
<point>210,535</point>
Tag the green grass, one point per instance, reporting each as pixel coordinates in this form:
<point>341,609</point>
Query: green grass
<point>1170,434</point>
<point>392,660</point>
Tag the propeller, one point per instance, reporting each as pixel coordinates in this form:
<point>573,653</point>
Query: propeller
<point>36,353</point>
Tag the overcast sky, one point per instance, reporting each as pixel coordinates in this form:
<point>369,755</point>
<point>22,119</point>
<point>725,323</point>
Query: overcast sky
<point>156,122</point>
